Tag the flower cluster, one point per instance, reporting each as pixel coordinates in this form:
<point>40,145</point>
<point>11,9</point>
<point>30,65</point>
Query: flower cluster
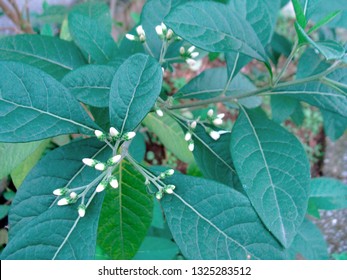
<point>114,135</point>
<point>141,35</point>
<point>215,119</point>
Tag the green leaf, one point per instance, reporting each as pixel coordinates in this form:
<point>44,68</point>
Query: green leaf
<point>52,55</point>
<point>14,154</point>
<point>33,111</point>
<point>91,84</point>
<point>126,214</point>
<point>328,194</point>
<point>91,31</point>
<point>300,14</point>
<point>331,50</point>
<point>21,171</point>
<point>211,221</point>
<point>274,170</point>
<point>309,243</point>
<point>213,27</point>
<point>134,90</point>
<point>283,107</point>
<point>4,211</point>
<point>310,64</point>
<point>320,94</point>
<point>137,148</point>
<point>334,125</point>
<point>323,21</point>
<point>39,229</point>
<point>156,248</point>
<point>170,134</point>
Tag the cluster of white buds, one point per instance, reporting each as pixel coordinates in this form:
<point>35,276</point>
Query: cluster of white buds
<point>112,181</point>
<point>101,166</point>
<point>141,35</point>
<point>189,135</point>
<point>164,33</point>
<point>166,174</point>
<point>216,120</point>
<point>189,56</point>
<point>114,135</point>
<point>168,189</point>
<point>72,198</point>
<point>213,134</point>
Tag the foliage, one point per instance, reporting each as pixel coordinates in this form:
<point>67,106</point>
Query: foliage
<point>96,198</point>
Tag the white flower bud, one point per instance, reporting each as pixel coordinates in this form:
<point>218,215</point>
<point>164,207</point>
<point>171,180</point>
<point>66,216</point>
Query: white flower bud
<point>59,192</point>
<point>114,132</point>
<point>191,49</point>
<point>214,135</point>
<point>169,189</point>
<point>142,38</point>
<point>188,136</point>
<point>140,30</point>
<point>100,166</point>
<point>159,112</point>
<point>147,182</point>
<point>178,38</point>
<point>114,182</point>
<point>159,195</point>
<point>217,121</point>
<point>182,50</point>
<point>163,70</point>
<point>163,27</point>
<point>63,201</point>
<point>81,210</point>
<point>89,162</point>
<point>221,116</point>
<point>129,135</point>
<point>169,172</point>
<point>99,134</point>
<point>169,34</point>
<point>194,55</point>
<point>101,186</point>
<point>191,146</point>
<point>193,124</point>
<point>114,160</point>
<point>130,37</point>
<point>210,113</point>
<point>73,195</point>
<point>191,62</point>
<point>159,31</point>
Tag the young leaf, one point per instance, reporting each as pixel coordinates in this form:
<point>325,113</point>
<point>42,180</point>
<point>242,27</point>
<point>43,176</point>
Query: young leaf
<point>213,27</point>
<point>126,214</point>
<point>170,134</point>
<point>274,171</point>
<point>321,95</point>
<point>211,221</point>
<point>300,14</point>
<point>91,84</point>
<point>13,155</point>
<point>52,55</point>
<point>157,248</point>
<point>39,228</point>
<point>134,90</point>
<point>32,111</point>
<point>328,194</point>
<point>92,33</point>
<point>235,62</point>
<point>309,243</point>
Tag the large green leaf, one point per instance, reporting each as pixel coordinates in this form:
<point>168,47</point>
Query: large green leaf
<point>213,27</point>
<point>157,248</point>
<point>208,220</point>
<point>39,229</point>
<point>319,94</point>
<point>126,214</point>
<point>334,125</point>
<point>13,155</point>
<point>328,194</point>
<point>309,243</point>
<point>170,134</point>
<point>91,84</point>
<point>55,56</point>
<point>134,91</point>
<point>282,107</point>
<point>34,106</point>
<point>91,31</point>
<point>274,170</point>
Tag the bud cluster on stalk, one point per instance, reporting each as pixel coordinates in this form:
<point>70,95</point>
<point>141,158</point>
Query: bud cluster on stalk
<point>168,189</point>
<point>114,135</point>
<point>189,56</point>
<point>141,35</point>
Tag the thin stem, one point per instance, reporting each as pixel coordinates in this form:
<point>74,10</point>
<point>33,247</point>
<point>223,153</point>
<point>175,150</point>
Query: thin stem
<point>288,61</point>
<point>148,49</point>
<point>231,74</point>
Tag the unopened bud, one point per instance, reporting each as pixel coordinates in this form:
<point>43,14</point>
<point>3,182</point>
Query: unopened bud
<point>169,34</point>
<point>100,166</point>
<point>147,182</point>
<point>188,136</point>
<point>214,135</point>
<point>191,49</point>
<point>114,160</point>
<point>159,31</point>
<point>210,113</point>
<point>63,201</point>
<point>82,210</point>
<point>89,162</point>
<point>163,27</point>
<point>129,135</point>
<point>194,55</point>
<point>169,189</point>
<point>191,146</point>
<point>169,172</point>
<point>130,37</point>
<point>221,116</point>
<point>114,132</point>
<point>61,191</point>
<point>114,182</point>
<point>159,112</point>
<point>73,195</point>
<point>193,124</point>
<point>159,195</point>
<point>217,121</point>
<point>140,30</point>
<point>182,50</point>
<point>142,38</point>
<point>101,186</point>
<point>99,134</point>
